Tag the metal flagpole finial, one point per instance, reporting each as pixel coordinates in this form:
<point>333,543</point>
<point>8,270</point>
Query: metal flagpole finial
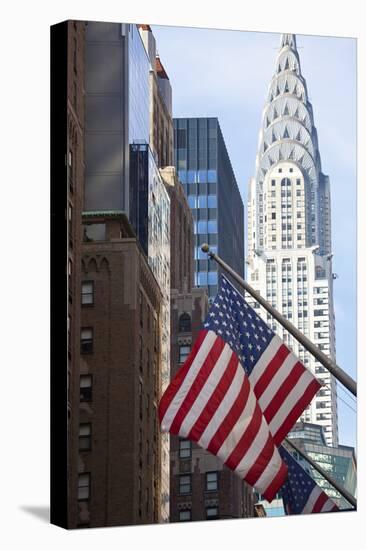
<point>205,247</point>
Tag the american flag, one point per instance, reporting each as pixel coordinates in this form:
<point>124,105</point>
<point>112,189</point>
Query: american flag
<point>300,493</point>
<point>239,392</point>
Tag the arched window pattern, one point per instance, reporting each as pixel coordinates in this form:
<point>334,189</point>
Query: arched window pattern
<point>184,323</point>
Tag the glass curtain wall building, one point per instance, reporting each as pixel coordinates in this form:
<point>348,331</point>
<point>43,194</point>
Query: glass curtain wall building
<point>205,170</point>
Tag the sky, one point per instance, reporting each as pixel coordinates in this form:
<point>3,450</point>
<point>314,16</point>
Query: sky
<point>225,74</point>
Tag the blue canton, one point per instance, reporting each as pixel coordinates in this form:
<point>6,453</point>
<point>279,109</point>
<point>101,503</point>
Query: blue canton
<point>298,486</point>
<point>232,318</point>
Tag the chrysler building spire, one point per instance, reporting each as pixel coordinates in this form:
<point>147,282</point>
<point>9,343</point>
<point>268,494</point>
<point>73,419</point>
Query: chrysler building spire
<point>289,225</point>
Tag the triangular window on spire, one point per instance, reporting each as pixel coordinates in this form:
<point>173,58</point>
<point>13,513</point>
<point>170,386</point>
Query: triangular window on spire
<point>287,66</point>
<point>265,147</point>
<point>277,91</point>
<point>298,137</point>
<point>296,113</point>
<point>285,111</point>
<point>286,90</point>
<point>285,133</point>
<point>280,156</point>
<point>291,155</point>
<point>275,115</point>
<point>278,68</point>
<point>273,138</point>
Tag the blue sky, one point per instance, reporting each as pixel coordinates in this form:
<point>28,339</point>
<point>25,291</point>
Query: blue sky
<point>225,74</point>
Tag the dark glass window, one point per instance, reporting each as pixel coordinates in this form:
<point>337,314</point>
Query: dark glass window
<point>87,292</point>
<point>84,486</point>
<point>85,437</point>
<point>212,512</point>
<point>185,448</point>
<point>181,138</point>
<point>184,484</point>
<point>86,340</point>
<point>185,323</point>
<point>185,515</point>
<point>212,481</point>
<point>184,351</point>
<point>86,387</point>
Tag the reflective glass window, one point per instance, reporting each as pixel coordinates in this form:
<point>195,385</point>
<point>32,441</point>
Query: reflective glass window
<point>212,201</point>
<point>202,201</point>
<point>191,176</point>
<point>192,201</point>
<point>202,227</point>
<point>202,278</point>
<point>182,175</point>
<point>212,226</point>
<point>202,176</point>
<point>212,176</point>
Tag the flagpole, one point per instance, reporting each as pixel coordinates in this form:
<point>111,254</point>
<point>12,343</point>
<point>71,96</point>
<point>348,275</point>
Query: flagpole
<point>345,494</point>
<point>332,367</point>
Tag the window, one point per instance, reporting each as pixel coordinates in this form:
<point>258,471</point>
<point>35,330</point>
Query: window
<point>212,226</point>
<point>185,448</point>
<point>212,512</point>
<point>184,323</point>
<point>212,277</point>
<point>273,215</point>
<point>84,486</point>
<point>85,387</point>
<point>184,351</point>
<point>85,437</point>
<point>211,481</point>
<point>202,278</point>
<point>211,176</point>
<point>87,292</point>
<point>184,515</point>
<point>86,340</point>
<point>184,484</point>
<point>212,201</point>
<point>192,201</point>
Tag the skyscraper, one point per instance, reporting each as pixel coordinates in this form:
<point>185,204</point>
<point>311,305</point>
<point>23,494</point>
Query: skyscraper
<point>208,179</point>
<point>289,226</point>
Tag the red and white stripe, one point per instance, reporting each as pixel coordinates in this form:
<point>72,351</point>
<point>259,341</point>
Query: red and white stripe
<point>283,387</point>
<point>211,401</point>
<point>318,501</point>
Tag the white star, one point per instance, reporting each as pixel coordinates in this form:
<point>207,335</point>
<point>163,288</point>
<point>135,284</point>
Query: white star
<point>251,358</point>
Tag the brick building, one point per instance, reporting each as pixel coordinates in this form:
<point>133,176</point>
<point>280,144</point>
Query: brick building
<point>119,440</point>
<point>200,486</point>
<point>75,192</point>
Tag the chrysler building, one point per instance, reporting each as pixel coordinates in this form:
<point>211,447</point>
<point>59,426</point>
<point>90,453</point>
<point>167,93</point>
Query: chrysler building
<point>289,227</point>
